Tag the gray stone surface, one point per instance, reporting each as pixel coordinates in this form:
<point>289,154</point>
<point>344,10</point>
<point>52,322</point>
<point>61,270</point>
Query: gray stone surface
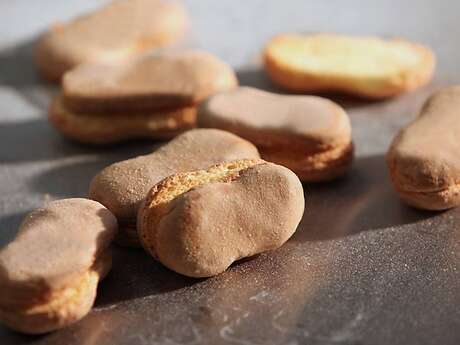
<point>362,268</point>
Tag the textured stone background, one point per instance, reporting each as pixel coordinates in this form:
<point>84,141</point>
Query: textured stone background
<point>362,268</point>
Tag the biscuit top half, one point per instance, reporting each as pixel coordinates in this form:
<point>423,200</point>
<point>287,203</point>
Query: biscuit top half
<point>54,245</point>
<point>166,79</point>
<point>310,123</point>
<point>116,30</point>
<point>122,186</point>
<point>425,155</point>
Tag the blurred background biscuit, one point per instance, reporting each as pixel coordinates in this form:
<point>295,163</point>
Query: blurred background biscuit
<point>112,33</point>
<point>122,186</point>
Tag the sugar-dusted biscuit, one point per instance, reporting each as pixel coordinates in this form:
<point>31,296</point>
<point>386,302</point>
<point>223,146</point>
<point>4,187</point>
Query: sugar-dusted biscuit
<point>122,186</point>
<point>368,67</point>
<point>154,96</point>
<point>49,273</point>
<point>152,81</point>
<point>308,134</point>
<point>108,129</point>
<point>110,34</point>
<point>423,159</point>
<point>198,223</point>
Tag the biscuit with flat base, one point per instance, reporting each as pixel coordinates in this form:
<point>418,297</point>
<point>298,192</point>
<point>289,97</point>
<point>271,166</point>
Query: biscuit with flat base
<point>198,223</point>
<point>308,134</point>
<point>368,67</point>
<point>49,273</point>
<point>110,34</point>
<point>423,158</point>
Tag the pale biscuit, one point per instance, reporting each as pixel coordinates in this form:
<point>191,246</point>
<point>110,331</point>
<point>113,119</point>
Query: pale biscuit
<point>109,129</point>
<point>423,159</point>
<point>154,96</point>
<point>198,223</point>
<point>110,34</point>
<point>308,134</point>
<point>368,67</point>
<point>49,273</point>
<point>122,186</point>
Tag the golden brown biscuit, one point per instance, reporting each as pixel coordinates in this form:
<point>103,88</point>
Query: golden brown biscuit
<point>308,134</point>
<point>112,33</point>
<point>153,81</point>
<point>122,186</point>
<point>50,272</point>
<point>108,129</point>
<point>423,158</point>
<point>198,223</point>
<point>363,66</point>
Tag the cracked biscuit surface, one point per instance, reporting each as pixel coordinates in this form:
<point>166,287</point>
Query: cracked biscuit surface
<point>198,223</point>
<point>122,186</point>
<point>110,34</point>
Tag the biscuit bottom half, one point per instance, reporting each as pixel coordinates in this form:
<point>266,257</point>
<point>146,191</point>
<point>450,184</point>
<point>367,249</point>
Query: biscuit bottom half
<point>164,192</point>
<point>62,307</point>
<point>321,166</point>
<point>434,200</point>
<point>108,129</point>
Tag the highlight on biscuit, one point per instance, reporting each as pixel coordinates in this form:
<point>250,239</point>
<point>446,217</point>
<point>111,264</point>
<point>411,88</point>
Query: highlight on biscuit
<point>368,67</point>
<point>191,224</point>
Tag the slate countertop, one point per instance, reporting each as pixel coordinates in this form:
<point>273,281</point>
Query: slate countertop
<point>362,267</point>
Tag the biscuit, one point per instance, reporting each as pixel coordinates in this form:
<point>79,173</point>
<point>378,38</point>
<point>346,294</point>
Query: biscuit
<point>198,223</point>
<point>49,273</point>
<point>368,67</point>
<point>308,134</point>
<point>104,129</point>
<point>152,81</point>
<point>122,186</point>
<point>154,96</point>
<point>423,158</point>
<point>110,34</point>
